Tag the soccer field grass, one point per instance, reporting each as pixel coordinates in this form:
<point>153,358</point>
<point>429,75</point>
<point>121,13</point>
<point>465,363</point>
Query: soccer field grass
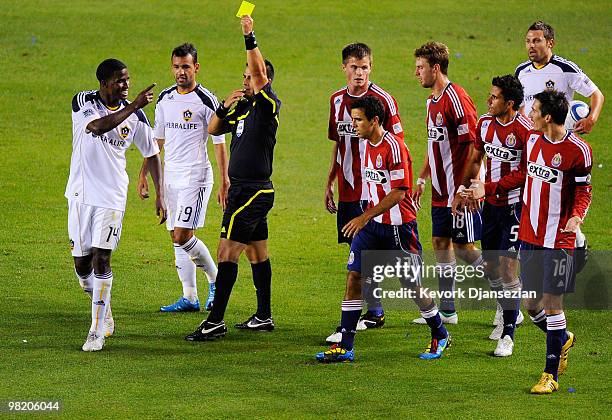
<point>50,50</point>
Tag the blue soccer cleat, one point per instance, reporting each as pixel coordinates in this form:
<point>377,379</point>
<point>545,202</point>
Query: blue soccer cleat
<point>336,354</point>
<point>211,296</point>
<point>182,305</point>
<point>436,348</point>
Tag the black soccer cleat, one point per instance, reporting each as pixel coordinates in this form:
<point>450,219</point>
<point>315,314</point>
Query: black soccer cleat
<point>207,331</point>
<point>256,324</point>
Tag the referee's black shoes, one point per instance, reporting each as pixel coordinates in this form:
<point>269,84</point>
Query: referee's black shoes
<point>256,324</point>
<point>207,331</point>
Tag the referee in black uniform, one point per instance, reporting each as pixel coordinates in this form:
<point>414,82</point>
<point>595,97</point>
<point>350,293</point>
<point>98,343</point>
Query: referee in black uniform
<point>253,123</point>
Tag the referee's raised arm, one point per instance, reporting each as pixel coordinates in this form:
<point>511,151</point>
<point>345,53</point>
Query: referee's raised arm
<point>255,60</point>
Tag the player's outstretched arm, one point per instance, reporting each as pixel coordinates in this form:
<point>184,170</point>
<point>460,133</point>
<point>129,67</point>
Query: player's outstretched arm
<point>154,165</point>
<point>585,125</point>
<point>255,60</point>
<point>107,123</point>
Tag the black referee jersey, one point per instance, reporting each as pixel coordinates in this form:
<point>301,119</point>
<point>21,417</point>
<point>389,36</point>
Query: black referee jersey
<point>253,124</point>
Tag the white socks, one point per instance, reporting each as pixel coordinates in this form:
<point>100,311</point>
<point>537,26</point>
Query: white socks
<point>100,301</point>
<point>186,270</point>
<point>200,255</point>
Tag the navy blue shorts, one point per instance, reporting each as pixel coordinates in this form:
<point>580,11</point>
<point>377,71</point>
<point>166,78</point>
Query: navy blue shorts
<point>462,229</point>
<point>546,270</point>
<point>347,211</point>
<point>500,227</point>
<point>379,236</point>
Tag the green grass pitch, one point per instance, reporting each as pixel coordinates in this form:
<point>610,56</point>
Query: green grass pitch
<point>49,50</point>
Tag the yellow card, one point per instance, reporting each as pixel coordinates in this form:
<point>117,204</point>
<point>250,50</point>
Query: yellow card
<point>246,8</point>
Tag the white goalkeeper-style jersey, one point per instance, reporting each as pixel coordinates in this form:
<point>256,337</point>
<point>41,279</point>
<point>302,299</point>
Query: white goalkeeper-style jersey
<point>97,166</point>
<point>559,74</point>
<point>181,120</point>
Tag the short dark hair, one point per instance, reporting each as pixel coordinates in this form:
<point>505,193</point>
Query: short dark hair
<point>511,88</point>
<point>553,103</point>
<point>372,107</point>
<point>184,50</point>
<point>356,50</point>
<point>549,32</point>
<point>108,68</point>
<point>269,69</point>
<point>434,53</point>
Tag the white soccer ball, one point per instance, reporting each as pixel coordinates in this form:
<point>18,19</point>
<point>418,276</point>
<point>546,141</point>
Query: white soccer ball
<point>577,111</point>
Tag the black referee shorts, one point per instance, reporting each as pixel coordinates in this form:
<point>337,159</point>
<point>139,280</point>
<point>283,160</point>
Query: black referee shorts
<point>245,218</point>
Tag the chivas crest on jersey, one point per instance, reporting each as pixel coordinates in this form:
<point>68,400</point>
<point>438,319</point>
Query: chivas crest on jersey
<point>511,140</point>
<point>439,119</point>
<point>187,114</point>
<point>379,161</point>
<point>556,160</point>
<point>124,132</point>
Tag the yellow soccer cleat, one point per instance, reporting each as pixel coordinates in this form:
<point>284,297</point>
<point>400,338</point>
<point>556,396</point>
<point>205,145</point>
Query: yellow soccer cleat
<point>547,385</point>
<point>571,340</point>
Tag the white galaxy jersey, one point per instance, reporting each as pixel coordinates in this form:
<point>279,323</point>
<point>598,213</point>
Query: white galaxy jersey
<point>97,167</point>
<point>182,121</point>
<point>559,74</point>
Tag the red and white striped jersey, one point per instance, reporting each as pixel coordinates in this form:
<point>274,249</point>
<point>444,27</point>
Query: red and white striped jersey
<point>451,129</point>
<point>556,179</point>
<point>350,148</point>
<point>388,165</point>
<point>503,145</point>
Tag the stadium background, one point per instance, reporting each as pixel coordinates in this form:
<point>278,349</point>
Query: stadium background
<point>50,50</point>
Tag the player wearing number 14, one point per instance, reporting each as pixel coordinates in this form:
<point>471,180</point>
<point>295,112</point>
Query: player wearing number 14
<point>104,125</point>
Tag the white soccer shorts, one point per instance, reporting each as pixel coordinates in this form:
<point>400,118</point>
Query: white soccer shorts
<point>187,205</point>
<point>92,227</point>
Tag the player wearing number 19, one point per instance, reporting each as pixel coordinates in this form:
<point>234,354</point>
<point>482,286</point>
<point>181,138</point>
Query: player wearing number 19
<point>104,125</point>
<point>182,115</point>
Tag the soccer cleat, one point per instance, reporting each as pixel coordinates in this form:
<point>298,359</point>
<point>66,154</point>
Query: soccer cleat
<point>497,332</point>
<point>207,331</point>
<point>569,343</point>
<point>369,320</point>
<point>504,347</point>
<point>182,305</point>
<point>256,324</point>
<point>436,348</point>
<point>93,343</point>
<point>453,319</point>
<point>335,337</point>
<point>546,385</point>
<point>336,354</point>
<point>211,296</point>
